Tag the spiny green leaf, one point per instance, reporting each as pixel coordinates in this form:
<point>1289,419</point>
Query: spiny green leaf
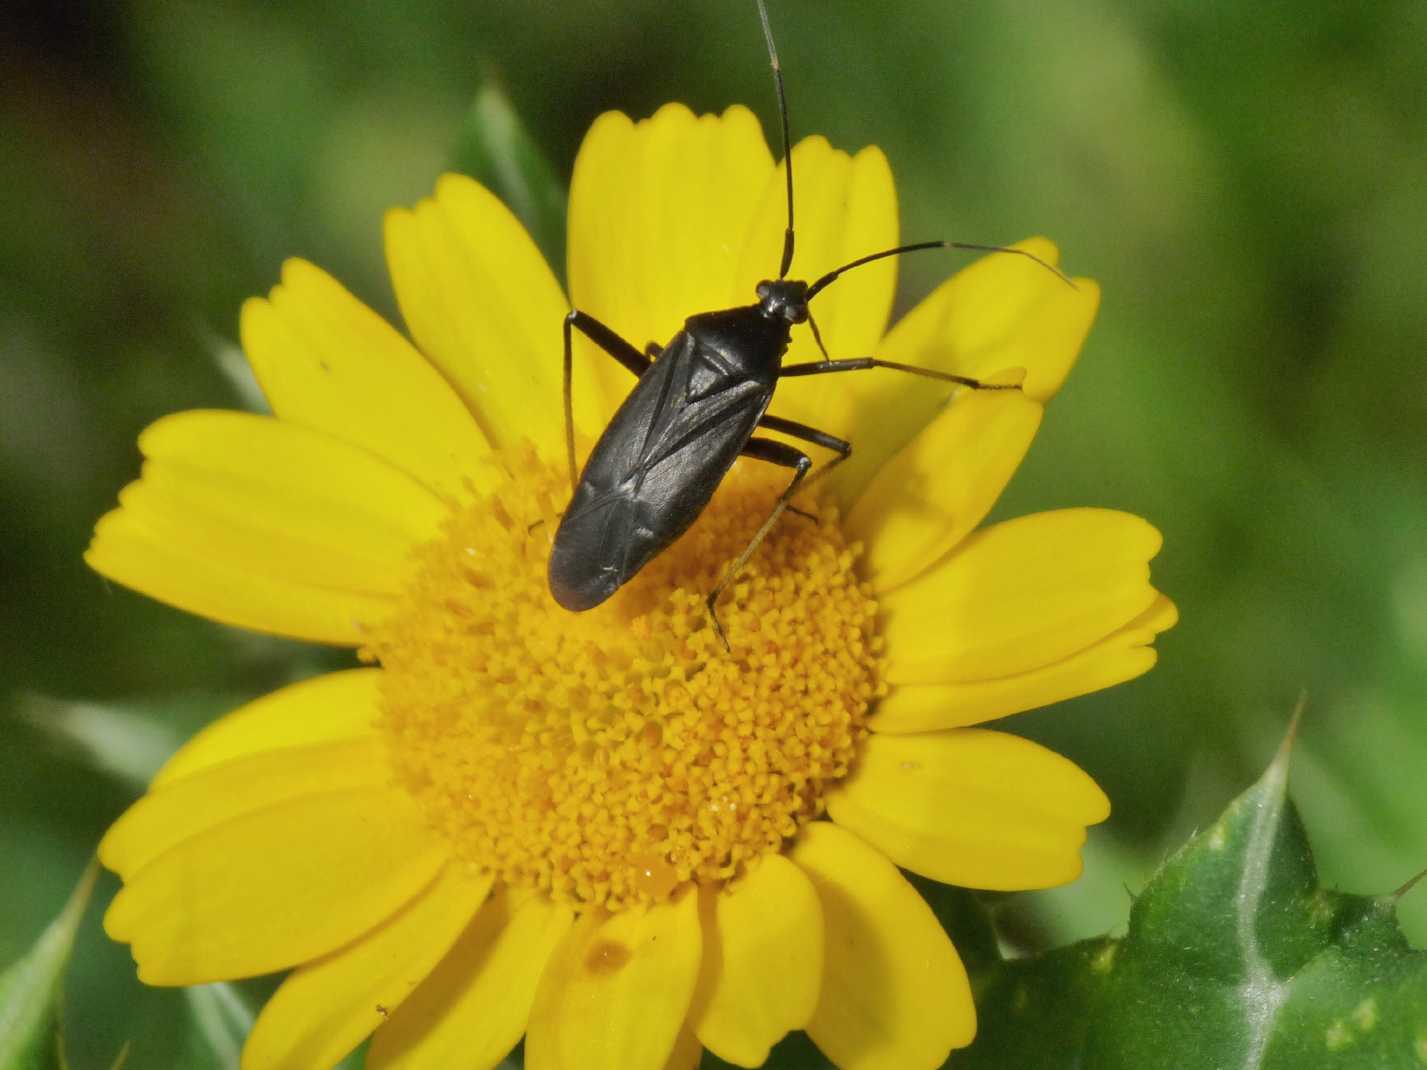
<point>1235,957</point>
<point>32,990</point>
<point>495,149</point>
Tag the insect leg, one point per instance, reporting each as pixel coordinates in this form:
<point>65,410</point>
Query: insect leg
<point>806,433</point>
<point>612,344</point>
<point>857,364</point>
<point>780,453</point>
<point>840,446</point>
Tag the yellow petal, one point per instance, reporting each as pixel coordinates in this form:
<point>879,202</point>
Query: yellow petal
<point>931,495</point>
<point>687,1053</point>
<point>324,709</point>
<point>616,991</point>
<point>311,485</point>
<point>196,804</point>
<point>126,550</point>
<point>845,207</point>
<point>1000,312</point>
<point>327,361</point>
<point>658,214</point>
<point>971,807</point>
<point>484,307</point>
<point>762,964</point>
<point>473,1008</point>
<point>266,525</point>
<point>1122,656</point>
<point>276,887</point>
<point>1021,595</point>
<point>325,1008</point>
<point>894,995</point>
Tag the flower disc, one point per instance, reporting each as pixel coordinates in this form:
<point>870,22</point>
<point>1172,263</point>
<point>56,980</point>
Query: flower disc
<point>613,756</point>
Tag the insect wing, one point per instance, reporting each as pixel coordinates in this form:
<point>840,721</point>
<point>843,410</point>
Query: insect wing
<point>652,472</point>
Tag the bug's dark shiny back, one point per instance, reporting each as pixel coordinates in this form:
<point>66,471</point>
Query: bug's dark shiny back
<point>663,455</point>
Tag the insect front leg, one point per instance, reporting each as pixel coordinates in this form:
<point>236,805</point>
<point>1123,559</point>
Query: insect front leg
<point>612,344</point>
<point>857,364</point>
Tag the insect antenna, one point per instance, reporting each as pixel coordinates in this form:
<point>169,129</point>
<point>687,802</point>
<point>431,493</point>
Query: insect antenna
<point>832,276</point>
<point>787,153</point>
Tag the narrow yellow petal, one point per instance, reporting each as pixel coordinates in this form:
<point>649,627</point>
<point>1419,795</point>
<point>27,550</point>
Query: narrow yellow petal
<point>971,807</point>
<point>196,804</point>
<point>616,991</point>
<point>327,361</point>
<point>1122,656</point>
<point>600,246</point>
<point>326,1008</point>
<point>762,964</point>
<point>998,313</point>
<point>895,995</point>
<point>658,214</point>
<point>931,495</point>
<point>267,525</point>
<point>275,887</point>
<point>473,1008</point>
<point>485,308</point>
<point>846,207</point>
<point>127,551</point>
<point>1021,595</point>
<point>324,709</point>
<point>310,483</point>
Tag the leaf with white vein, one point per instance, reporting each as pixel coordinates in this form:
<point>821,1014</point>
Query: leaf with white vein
<point>1235,959</point>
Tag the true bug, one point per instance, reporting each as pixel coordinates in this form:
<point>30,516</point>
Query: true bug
<point>693,413</point>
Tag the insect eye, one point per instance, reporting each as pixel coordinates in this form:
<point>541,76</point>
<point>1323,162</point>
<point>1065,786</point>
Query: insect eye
<point>763,290</point>
<point>797,313</point>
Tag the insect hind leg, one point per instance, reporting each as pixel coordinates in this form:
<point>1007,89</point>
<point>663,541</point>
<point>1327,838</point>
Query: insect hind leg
<point>840,446</point>
<point>779,453</point>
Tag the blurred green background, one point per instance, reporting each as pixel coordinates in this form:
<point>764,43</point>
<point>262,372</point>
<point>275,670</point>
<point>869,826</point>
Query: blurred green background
<point>1248,182</point>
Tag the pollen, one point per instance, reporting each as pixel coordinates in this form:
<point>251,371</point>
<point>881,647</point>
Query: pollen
<point>614,757</point>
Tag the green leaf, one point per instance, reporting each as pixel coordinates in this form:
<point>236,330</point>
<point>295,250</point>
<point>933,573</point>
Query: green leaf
<point>32,990</point>
<point>1235,957</point>
<point>219,1018</point>
<point>127,741</point>
<point>495,149</point>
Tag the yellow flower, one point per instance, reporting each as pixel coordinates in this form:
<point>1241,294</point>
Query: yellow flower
<point>599,831</point>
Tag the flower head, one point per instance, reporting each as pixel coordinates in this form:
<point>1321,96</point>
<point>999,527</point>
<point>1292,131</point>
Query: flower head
<point>601,831</point>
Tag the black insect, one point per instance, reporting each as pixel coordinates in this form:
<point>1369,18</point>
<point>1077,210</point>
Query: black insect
<point>693,412</point>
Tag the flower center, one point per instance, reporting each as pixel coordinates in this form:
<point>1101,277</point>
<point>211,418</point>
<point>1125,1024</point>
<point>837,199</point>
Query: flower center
<point>613,756</point>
